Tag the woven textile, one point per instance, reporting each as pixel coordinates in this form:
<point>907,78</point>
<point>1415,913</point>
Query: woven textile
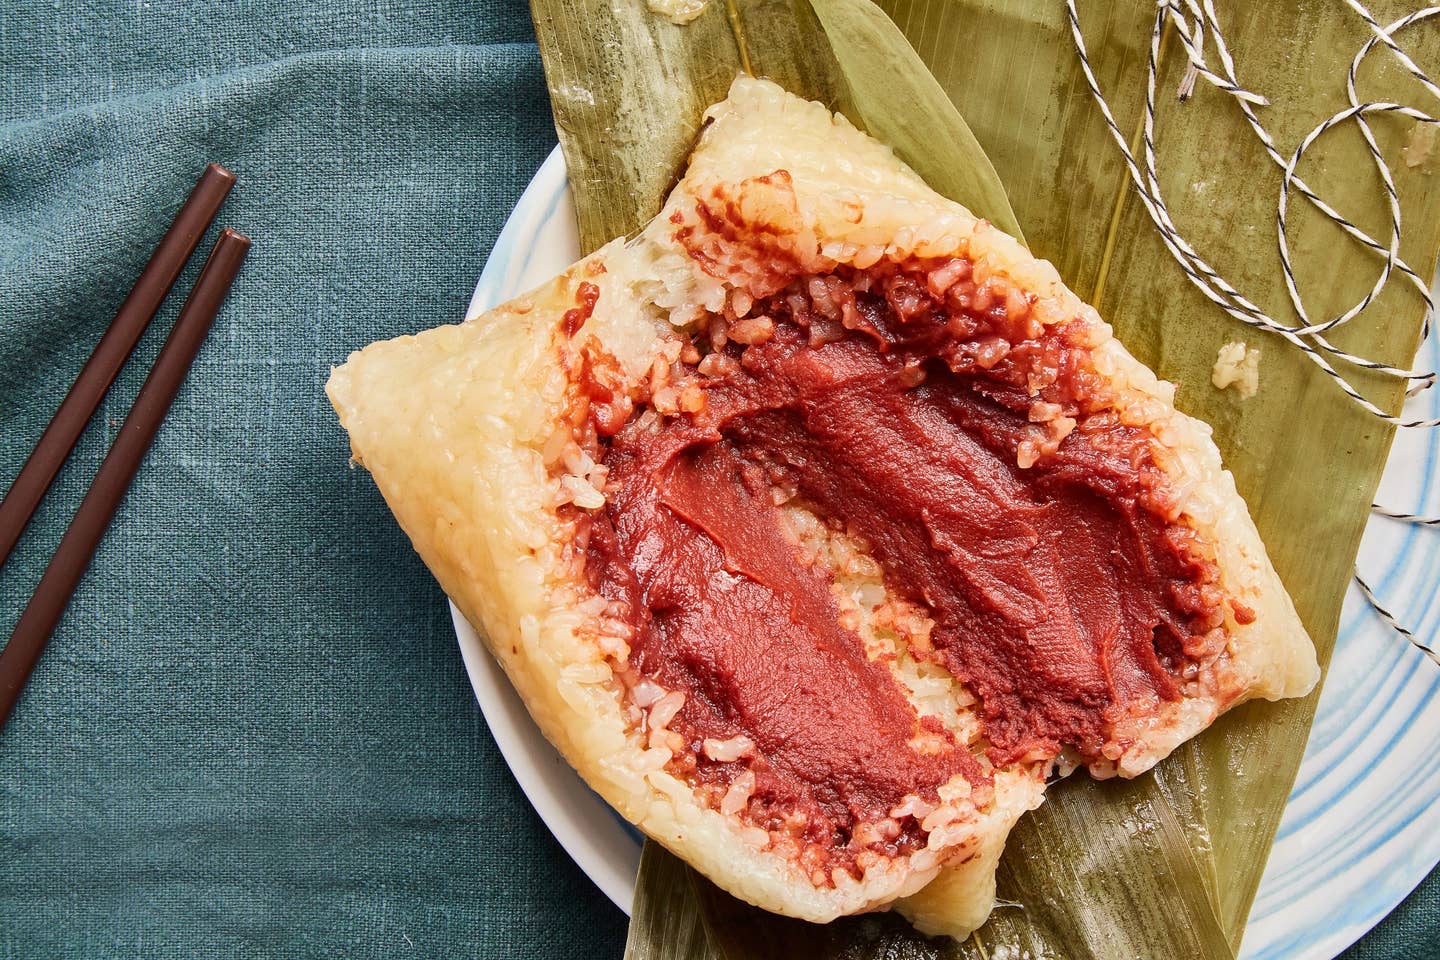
<point>252,735</point>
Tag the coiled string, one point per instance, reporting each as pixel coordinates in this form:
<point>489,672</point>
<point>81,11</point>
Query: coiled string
<point>1198,28</point>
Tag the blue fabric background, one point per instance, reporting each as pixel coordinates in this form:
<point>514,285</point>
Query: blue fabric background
<point>252,735</point>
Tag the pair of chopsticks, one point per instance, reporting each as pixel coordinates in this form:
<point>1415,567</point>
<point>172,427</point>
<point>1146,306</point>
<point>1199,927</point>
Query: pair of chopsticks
<point>77,548</point>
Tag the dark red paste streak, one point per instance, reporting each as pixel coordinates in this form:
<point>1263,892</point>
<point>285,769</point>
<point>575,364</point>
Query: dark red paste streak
<point>752,637</point>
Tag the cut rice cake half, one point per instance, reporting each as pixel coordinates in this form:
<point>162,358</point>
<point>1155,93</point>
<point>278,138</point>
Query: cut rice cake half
<point>820,524</point>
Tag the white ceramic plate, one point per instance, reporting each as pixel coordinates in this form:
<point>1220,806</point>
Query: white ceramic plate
<point>1353,842</point>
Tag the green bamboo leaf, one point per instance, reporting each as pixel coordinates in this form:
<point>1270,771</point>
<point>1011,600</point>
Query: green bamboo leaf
<point>896,100</point>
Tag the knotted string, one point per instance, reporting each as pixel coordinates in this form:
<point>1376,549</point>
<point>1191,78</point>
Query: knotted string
<point>1198,27</point>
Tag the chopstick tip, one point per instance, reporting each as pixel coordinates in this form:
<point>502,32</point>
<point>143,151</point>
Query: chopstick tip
<point>217,171</point>
<point>231,235</point>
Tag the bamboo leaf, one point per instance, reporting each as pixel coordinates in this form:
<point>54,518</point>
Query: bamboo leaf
<point>665,918</point>
<point>628,90</point>
<point>1114,876</point>
<point>742,932</point>
<point>854,67</point>
<point>896,100</point>
<point>1309,488</point>
<point>1049,905</point>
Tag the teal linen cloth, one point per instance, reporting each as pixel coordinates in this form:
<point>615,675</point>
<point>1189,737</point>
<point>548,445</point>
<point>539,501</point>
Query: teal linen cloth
<point>252,735</point>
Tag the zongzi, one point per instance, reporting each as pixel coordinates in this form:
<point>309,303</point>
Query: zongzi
<point>820,525</point>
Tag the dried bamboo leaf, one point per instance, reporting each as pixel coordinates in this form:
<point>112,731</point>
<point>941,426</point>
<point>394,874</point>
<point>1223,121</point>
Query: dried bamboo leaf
<point>628,90</point>
<point>1047,912</point>
<point>665,919</point>
<point>742,932</point>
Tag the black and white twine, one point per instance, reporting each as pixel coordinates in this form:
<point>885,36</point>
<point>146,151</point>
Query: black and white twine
<point>1198,28</point>
<point>1389,618</point>
<point>1407,517</point>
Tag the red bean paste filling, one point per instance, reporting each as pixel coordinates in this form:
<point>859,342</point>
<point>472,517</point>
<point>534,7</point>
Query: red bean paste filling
<point>1061,597</point>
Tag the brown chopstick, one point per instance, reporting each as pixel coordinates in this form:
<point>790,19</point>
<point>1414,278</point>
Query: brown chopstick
<point>77,547</point>
<point>111,353</point>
